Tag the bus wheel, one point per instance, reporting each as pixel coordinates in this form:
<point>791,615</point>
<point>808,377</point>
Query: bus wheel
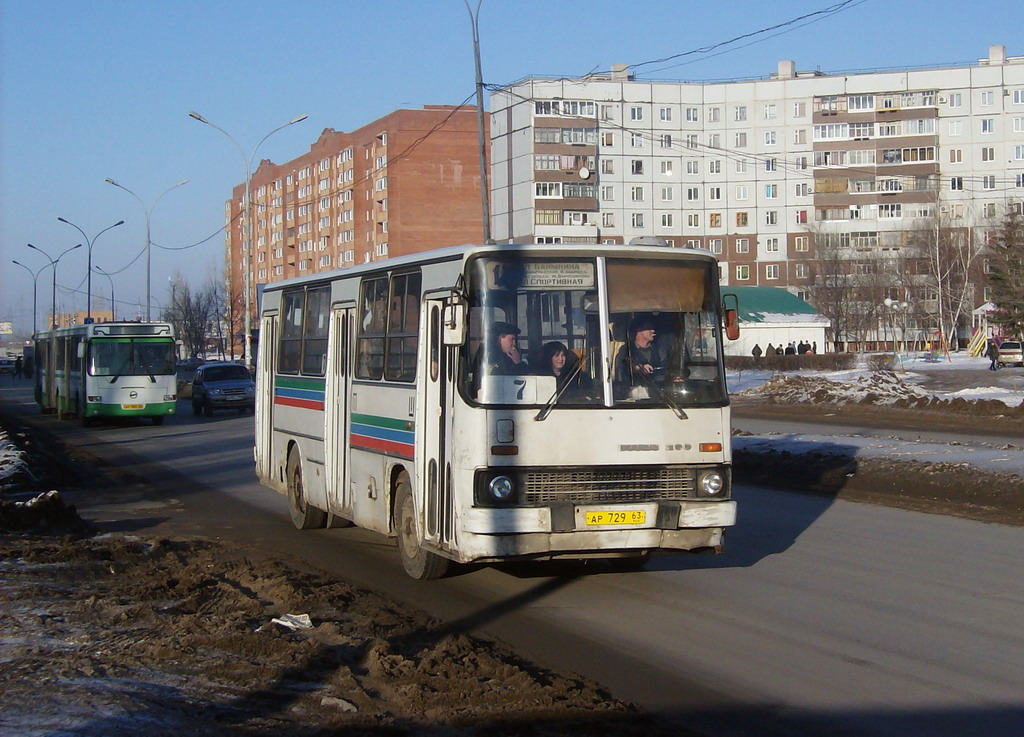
<point>304,515</point>
<point>419,563</point>
<point>158,420</point>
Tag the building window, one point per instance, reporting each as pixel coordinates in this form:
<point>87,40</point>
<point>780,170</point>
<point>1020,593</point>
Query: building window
<point>692,194</point>
<point>636,113</point>
<point>692,115</point>
<point>741,140</point>
<point>693,167</point>
<point>636,140</point>
<point>666,167</point>
<point>771,191</point>
<point>666,220</point>
<point>637,194</point>
<point>771,217</point>
<point>714,193</point>
<point>715,140</point>
<point>607,166</point>
<point>988,125</point>
<point>742,272</point>
<point>636,166</point>
<point>956,184</point>
<point>693,220</point>
<point>771,271</point>
<point>608,220</point>
<point>714,114</point>
<point>771,245</point>
<point>743,245</point>
<point>665,114</point>
<point>956,127</point>
<point>741,192</point>
<point>802,271</point>
<point>665,140</point>
<point>715,246</point>
<point>715,166</point>
<point>607,193</point>
<point>740,113</point>
<point>637,219</point>
<point>742,219</point>
<point>771,164</point>
<point>770,138</point>
<point>548,189</point>
<point>956,155</point>
<point>715,220</point>
<point>547,217</point>
<point>987,98</point>
<point>988,182</point>
<point>770,111</point>
<point>607,139</point>
<point>956,99</point>
<point>668,194</point>
<point>801,243</point>
<point>988,153</point>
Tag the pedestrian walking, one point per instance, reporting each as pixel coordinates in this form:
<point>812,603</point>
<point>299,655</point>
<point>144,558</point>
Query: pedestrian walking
<point>993,355</point>
<point>19,367</point>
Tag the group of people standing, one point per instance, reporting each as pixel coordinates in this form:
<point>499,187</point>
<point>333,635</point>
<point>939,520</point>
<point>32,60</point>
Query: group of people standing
<point>800,349</point>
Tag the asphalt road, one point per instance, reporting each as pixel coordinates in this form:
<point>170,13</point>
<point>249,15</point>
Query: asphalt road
<point>823,617</point>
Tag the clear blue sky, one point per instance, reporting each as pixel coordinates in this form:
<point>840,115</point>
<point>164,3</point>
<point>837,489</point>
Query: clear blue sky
<point>91,89</point>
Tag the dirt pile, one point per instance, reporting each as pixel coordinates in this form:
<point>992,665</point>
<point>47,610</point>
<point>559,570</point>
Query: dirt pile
<point>114,635</point>
<point>882,388</point>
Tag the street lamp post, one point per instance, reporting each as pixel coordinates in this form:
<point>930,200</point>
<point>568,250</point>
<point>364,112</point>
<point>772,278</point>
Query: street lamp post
<point>247,237</point>
<point>88,288</point>
<point>35,290</point>
<point>895,307</point>
<point>485,187</point>
<point>113,311</point>
<point>53,263</point>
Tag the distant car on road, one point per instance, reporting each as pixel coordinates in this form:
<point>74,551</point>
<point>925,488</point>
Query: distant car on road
<point>1010,353</point>
<point>6,365</point>
<point>222,386</point>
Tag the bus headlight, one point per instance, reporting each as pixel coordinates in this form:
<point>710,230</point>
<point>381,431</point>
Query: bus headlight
<point>501,488</point>
<point>710,483</point>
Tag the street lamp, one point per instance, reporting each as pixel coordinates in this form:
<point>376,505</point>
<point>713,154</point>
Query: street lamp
<point>896,307</point>
<point>35,290</point>
<point>149,243</point>
<point>113,312</point>
<point>88,288</point>
<point>53,263</point>
<point>247,239</point>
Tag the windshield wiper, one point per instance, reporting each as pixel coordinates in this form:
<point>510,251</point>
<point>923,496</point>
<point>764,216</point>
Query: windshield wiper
<point>550,404</point>
<point>664,396</point>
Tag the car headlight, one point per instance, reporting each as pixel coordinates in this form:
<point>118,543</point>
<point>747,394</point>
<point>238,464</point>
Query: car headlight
<point>710,483</point>
<point>216,392</point>
<point>501,487</point>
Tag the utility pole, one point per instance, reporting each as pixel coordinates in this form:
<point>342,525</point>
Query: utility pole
<point>485,187</point>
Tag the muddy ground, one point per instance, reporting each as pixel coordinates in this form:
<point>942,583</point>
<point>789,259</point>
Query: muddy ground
<point>119,635</point>
<point>107,634</point>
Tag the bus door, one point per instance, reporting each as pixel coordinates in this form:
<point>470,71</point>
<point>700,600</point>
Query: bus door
<point>434,389</point>
<point>336,414</point>
<point>265,362</point>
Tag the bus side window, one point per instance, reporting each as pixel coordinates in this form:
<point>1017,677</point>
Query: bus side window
<point>314,331</point>
<point>371,327</point>
<point>290,348</point>
<point>403,327</point>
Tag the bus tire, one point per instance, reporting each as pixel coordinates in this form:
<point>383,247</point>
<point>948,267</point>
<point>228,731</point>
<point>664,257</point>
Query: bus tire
<point>304,515</point>
<point>158,420</point>
<point>419,563</point>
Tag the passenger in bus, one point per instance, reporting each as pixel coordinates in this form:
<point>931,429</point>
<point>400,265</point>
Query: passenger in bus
<point>503,357</point>
<point>639,362</point>
<point>560,362</point>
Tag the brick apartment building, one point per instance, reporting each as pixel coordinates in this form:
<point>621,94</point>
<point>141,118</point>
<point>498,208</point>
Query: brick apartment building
<point>405,183</point>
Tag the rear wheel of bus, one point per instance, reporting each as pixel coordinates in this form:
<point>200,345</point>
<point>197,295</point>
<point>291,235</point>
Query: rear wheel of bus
<point>417,562</point>
<point>304,515</point>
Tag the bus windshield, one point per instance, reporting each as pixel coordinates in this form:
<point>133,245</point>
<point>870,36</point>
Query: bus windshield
<point>131,357</point>
<point>536,335</point>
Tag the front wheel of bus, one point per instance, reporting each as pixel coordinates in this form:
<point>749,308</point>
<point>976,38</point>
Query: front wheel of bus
<point>419,563</point>
<point>304,515</point>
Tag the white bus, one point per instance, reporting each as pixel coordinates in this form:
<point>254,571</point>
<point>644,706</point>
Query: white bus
<point>382,401</point>
<point>110,369</point>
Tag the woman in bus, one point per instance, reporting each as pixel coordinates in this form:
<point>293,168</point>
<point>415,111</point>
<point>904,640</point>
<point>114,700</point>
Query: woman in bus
<point>560,362</point>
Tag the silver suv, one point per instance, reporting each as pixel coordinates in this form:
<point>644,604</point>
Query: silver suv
<point>1010,353</point>
<point>222,386</point>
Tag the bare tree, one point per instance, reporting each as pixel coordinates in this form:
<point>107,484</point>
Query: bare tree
<point>193,314</point>
<point>1005,256</point>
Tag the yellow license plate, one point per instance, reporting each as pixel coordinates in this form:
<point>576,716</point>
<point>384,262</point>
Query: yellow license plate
<point>133,406</point>
<point>618,517</point>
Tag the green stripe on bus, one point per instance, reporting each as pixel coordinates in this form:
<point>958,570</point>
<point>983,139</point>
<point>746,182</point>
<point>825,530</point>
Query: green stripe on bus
<point>388,422</point>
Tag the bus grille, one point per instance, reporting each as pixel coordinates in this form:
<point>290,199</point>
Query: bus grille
<point>618,485</point>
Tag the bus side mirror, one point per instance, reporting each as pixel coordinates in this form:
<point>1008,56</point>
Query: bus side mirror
<point>181,349</point>
<point>454,323</point>
<point>732,324</point>
<point>731,312</point>
<point>81,350</point>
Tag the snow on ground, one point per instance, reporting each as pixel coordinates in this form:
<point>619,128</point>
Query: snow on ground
<point>852,385</point>
<point>886,388</point>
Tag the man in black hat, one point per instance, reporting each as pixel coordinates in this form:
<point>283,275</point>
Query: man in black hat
<point>639,360</point>
<point>504,358</point>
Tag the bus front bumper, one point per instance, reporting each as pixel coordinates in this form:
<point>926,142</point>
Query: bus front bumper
<point>493,534</point>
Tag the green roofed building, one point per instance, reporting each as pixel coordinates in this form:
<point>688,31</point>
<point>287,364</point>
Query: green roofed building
<point>769,315</point>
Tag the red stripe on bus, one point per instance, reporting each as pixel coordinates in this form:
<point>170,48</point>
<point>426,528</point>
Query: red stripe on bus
<point>390,446</point>
<point>303,403</point>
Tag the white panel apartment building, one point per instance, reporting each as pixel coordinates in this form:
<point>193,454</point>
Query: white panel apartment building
<point>753,169</point>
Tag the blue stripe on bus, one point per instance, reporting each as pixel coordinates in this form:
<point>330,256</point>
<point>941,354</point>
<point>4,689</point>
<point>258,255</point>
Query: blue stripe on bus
<point>399,436</point>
